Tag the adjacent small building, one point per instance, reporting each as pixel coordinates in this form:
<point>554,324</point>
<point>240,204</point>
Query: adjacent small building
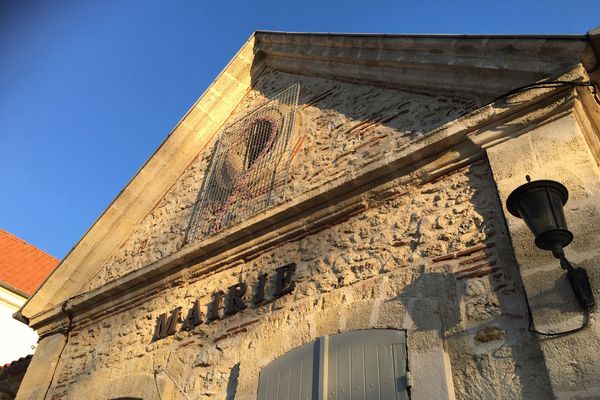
<point>329,221</point>
<point>23,268</point>
<point>11,376</point>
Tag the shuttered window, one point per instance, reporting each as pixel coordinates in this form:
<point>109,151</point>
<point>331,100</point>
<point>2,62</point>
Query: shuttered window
<point>358,365</point>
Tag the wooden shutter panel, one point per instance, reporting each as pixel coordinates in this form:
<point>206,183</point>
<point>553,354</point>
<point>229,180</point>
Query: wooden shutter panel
<point>292,376</point>
<point>367,365</point>
<point>358,365</point>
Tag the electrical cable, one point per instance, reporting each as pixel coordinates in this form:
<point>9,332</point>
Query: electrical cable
<point>586,321</point>
<point>156,384</point>
<point>551,85</point>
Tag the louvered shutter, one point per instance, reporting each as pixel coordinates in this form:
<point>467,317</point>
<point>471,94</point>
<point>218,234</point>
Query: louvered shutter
<point>358,365</point>
<point>367,365</point>
<point>292,376</point>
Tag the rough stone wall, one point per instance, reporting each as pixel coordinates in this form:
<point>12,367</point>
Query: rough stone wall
<point>433,259</point>
<point>339,127</point>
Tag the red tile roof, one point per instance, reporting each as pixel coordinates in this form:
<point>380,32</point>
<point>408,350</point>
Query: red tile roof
<point>22,360</point>
<point>22,265</point>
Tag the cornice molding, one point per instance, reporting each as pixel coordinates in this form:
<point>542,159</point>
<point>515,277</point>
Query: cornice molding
<point>464,64</point>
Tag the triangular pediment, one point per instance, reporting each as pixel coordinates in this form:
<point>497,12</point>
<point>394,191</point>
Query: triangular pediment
<point>382,88</point>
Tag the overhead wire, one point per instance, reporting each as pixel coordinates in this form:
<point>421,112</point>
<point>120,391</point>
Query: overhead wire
<point>551,85</point>
<point>585,323</point>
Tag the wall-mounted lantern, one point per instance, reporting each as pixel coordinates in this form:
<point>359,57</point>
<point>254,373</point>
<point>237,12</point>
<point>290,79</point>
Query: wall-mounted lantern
<point>540,205</point>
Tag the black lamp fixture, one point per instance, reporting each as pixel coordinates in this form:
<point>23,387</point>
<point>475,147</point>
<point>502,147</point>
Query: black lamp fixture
<point>540,205</point>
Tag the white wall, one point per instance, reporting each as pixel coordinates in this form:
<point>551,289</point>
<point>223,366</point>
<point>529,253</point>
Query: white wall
<point>16,338</point>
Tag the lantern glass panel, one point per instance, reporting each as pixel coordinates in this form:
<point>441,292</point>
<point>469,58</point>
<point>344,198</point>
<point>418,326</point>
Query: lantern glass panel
<point>536,208</point>
<point>540,204</point>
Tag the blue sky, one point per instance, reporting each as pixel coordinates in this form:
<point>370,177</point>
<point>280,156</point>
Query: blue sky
<point>89,89</point>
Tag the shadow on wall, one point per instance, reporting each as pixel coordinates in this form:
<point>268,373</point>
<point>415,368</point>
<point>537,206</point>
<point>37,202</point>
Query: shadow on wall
<point>489,350</point>
<point>232,382</point>
<point>521,349</point>
<point>337,125</point>
<point>341,126</point>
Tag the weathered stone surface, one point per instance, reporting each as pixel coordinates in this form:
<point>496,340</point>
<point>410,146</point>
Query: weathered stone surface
<point>377,269</point>
<point>489,334</point>
<point>350,126</point>
<point>40,371</point>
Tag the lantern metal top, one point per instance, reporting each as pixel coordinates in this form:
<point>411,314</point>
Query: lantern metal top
<point>540,205</point>
<point>512,202</point>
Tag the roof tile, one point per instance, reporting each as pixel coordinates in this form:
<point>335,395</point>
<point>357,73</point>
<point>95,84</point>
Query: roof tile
<point>22,265</point>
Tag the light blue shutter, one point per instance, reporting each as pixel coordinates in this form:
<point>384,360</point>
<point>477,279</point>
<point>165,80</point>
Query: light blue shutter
<point>291,376</point>
<point>366,365</point>
<point>358,365</point>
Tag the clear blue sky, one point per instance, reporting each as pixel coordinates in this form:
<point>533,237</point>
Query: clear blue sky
<point>89,89</point>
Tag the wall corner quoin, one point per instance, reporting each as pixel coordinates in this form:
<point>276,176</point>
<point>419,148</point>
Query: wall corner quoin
<point>40,372</point>
<point>558,150</point>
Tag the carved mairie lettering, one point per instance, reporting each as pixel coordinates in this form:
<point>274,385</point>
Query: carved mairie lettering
<point>167,326</point>
<point>234,302</point>
<point>259,293</point>
<point>194,317</point>
<point>215,305</point>
<point>282,283</point>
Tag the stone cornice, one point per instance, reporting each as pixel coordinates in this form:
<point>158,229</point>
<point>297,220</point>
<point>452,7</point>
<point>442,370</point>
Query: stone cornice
<point>594,38</point>
<point>442,150</point>
<point>481,65</point>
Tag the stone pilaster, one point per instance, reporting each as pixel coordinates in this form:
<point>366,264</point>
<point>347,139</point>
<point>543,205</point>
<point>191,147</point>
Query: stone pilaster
<point>557,151</point>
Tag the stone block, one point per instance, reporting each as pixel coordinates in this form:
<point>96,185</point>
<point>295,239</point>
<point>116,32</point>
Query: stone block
<point>41,368</point>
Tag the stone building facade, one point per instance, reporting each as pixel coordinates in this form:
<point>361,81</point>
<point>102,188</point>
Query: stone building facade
<point>379,260</point>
